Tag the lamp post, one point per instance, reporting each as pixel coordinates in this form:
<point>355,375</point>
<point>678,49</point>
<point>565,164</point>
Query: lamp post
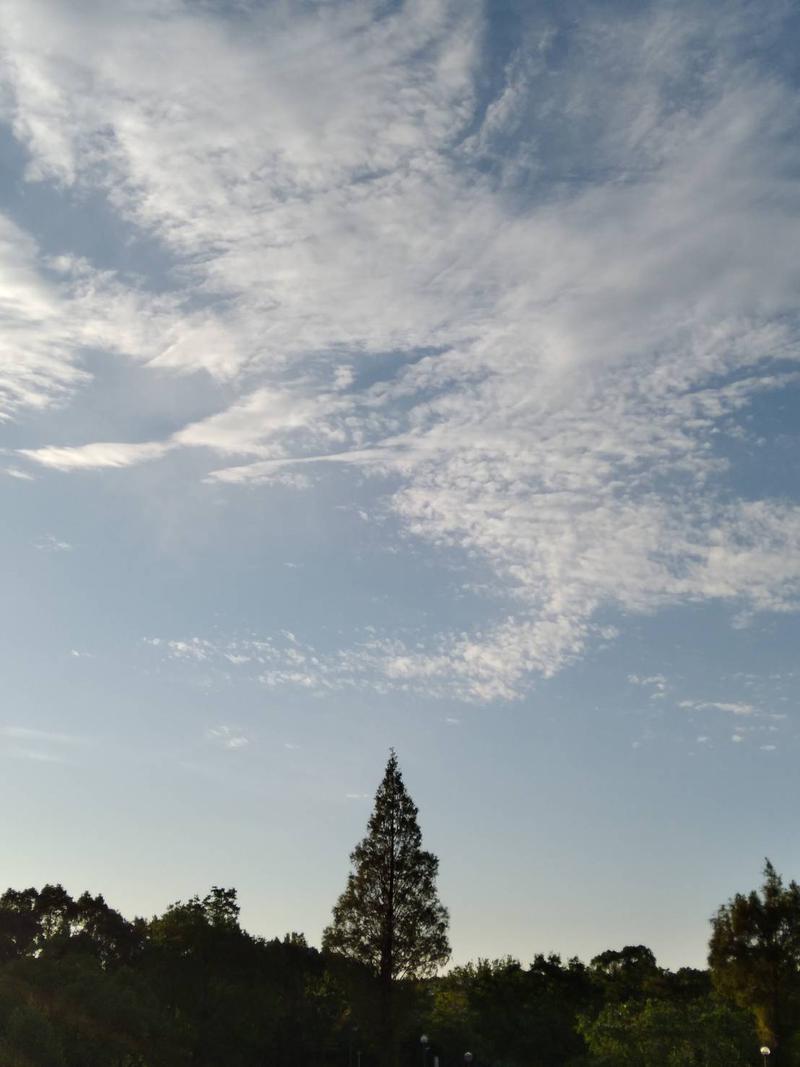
<point>468,1058</point>
<point>424,1043</point>
<point>764,1052</point>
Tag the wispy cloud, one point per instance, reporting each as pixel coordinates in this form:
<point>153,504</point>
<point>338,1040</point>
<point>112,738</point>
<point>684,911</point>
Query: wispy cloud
<point>37,745</point>
<point>228,737</point>
<point>479,668</point>
<point>54,310</point>
<point>574,329</point>
<point>95,456</point>
<point>26,733</point>
<point>51,543</point>
<point>732,707</point>
<point>656,683</point>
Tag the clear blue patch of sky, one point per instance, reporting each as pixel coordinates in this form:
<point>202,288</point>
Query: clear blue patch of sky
<point>764,453</point>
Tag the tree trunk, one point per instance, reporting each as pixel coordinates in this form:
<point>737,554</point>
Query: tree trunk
<point>388,1042</point>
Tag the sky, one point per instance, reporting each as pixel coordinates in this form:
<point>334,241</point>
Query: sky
<point>419,374</point>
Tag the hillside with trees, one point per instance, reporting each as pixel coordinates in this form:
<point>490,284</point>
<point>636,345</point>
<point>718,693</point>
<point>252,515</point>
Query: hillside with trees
<point>82,986</point>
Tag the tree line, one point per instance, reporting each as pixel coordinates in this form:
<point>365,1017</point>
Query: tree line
<point>81,986</point>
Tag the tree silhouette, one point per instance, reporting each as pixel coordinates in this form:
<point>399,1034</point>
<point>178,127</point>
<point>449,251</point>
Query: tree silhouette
<point>754,955</point>
<point>389,917</point>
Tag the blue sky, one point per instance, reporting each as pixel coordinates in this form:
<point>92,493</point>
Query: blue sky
<point>419,374</point>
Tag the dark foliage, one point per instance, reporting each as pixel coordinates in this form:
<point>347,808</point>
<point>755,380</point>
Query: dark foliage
<point>81,986</point>
<point>754,957</point>
<point>389,917</point>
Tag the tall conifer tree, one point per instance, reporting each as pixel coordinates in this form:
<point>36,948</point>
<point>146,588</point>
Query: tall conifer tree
<point>389,916</point>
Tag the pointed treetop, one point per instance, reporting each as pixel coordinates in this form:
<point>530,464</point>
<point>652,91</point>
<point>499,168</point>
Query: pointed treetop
<point>389,915</point>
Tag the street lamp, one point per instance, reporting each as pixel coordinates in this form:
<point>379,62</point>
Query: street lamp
<point>424,1042</point>
<point>764,1052</point>
<point>468,1058</point>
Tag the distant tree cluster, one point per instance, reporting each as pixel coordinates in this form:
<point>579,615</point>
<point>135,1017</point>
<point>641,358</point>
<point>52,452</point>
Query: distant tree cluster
<point>81,986</point>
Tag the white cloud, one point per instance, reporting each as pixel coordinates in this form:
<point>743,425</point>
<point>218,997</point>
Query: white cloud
<point>657,683</point>
<point>737,738</point>
<point>477,668</point>
<point>50,543</point>
<point>336,190</point>
<point>237,659</point>
<point>101,454</point>
<point>228,737</point>
<point>55,310</point>
<point>732,707</point>
<point>298,482</point>
<point>249,426</point>
<point>26,733</point>
<point>195,648</point>
<point>36,363</point>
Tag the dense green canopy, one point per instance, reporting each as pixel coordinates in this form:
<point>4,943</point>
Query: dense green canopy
<point>80,986</point>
